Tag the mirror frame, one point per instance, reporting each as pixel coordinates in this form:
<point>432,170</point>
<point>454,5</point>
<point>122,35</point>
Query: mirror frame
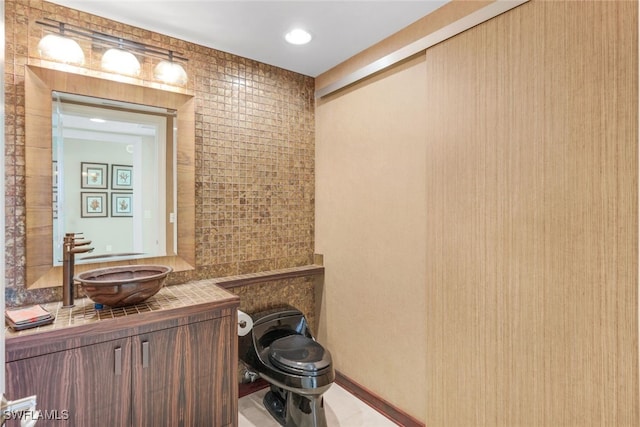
<point>39,83</point>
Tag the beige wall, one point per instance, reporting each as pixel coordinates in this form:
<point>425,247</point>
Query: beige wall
<point>370,210</point>
<point>524,132</point>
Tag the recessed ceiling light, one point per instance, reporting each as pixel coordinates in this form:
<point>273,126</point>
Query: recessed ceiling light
<point>97,120</point>
<point>298,36</point>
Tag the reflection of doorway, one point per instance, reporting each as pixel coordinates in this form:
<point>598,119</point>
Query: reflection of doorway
<point>115,157</point>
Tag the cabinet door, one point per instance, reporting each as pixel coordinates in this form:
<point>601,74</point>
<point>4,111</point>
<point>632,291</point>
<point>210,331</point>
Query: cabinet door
<point>82,387</point>
<point>181,376</point>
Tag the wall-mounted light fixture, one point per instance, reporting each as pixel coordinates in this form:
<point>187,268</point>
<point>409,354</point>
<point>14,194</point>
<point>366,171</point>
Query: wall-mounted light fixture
<point>121,55</point>
<point>169,71</point>
<point>120,61</point>
<point>60,48</point>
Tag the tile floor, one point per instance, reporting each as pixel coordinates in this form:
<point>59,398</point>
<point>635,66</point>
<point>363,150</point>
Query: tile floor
<point>342,409</point>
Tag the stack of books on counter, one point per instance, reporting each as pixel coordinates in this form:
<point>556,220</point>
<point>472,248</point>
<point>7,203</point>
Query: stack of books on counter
<point>27,317</point>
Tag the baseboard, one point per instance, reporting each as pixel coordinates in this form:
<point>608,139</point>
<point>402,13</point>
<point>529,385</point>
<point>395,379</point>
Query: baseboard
<point>395,414</point>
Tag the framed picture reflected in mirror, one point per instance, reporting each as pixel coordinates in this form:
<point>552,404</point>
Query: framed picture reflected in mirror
<point>94,175</point>
<point>121,177</point>
<point>121,204</point>
<point>94,205</point>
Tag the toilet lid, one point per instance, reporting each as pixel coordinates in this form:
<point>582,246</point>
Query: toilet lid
<point>299,354</point>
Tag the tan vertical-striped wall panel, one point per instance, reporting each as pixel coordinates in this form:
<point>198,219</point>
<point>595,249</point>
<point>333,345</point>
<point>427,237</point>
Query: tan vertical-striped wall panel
<point>532,220</point>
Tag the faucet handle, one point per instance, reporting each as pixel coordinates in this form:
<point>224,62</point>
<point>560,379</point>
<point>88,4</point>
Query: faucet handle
<point>81,242</point>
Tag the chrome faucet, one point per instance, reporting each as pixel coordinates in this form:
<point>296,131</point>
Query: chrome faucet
<point>70,249</point>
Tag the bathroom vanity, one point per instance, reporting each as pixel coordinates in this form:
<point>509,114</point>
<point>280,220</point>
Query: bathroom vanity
<point>169,361</point>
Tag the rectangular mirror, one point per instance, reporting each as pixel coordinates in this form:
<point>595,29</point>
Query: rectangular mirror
<point>99,189</point>
<point>112,172</point>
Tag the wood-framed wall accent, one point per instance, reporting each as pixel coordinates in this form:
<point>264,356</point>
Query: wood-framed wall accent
<point>39,83</point>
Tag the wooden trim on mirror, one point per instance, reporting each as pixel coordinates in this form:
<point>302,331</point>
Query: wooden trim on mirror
<point>39,83</point>
<point>171,249</point>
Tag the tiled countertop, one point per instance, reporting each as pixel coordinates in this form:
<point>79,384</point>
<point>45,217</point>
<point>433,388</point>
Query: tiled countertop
<point>169,297</point>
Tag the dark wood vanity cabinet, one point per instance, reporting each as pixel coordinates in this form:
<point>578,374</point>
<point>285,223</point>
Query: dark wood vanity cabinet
<point>76,386</point>
<point>176,369</point>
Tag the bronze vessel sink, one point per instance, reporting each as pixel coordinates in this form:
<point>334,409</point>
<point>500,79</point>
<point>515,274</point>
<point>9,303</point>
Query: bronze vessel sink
<point>123,285</point>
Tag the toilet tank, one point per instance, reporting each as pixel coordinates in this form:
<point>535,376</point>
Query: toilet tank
<point>269,325</point>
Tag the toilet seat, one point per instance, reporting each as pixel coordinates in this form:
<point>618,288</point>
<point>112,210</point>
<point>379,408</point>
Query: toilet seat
<point>299,355</point>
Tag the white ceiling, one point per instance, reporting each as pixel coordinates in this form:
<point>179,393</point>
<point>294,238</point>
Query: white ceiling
<point>255,29</point>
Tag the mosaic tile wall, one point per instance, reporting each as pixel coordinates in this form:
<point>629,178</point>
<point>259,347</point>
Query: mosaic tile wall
<point>298,293</point>
<point>254,151</point>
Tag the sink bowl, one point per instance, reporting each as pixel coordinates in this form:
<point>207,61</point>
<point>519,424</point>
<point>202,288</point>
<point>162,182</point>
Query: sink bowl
<point>123,285</point>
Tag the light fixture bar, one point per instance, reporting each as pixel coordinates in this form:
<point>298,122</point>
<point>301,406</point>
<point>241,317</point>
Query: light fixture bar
<point>112,41</point>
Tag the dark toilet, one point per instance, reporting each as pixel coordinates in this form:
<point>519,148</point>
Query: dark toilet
<point>281,349</point>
